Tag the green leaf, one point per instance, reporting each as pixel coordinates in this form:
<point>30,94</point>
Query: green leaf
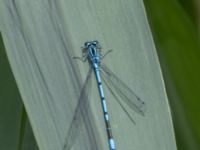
<point>10,104</point>
<point>41,39</point>
<point>13,116</point>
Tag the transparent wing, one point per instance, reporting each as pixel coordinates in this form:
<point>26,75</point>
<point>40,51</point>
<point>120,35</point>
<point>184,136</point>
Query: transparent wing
<point>83,121</point>
<point>127,95</point>
<point>118,100</point>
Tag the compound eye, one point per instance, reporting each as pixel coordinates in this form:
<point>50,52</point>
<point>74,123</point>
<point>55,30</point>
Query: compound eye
<point>95,42</point>
<point>87,44</point>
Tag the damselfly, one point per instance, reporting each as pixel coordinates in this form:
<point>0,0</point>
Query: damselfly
<point>92,52</point>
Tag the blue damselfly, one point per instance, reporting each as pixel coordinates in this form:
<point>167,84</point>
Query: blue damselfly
<point>92,52</point>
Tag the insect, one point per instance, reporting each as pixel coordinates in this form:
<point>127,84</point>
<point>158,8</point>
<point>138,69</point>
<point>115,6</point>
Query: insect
<point>92,52</point>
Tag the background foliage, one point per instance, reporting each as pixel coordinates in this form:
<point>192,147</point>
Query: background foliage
<point>175,25</point>
<point>176,34</point>
<point>15,130</point>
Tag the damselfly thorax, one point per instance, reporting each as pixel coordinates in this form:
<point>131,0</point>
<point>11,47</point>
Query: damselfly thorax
<point>92,52</point>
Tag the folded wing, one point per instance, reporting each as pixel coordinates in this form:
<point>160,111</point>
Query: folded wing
<point>127,95</point>
<point>83,121</point>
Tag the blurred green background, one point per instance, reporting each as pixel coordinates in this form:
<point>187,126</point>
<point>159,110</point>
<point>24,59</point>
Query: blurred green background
<point>175,27</point>
<point>15,129</point>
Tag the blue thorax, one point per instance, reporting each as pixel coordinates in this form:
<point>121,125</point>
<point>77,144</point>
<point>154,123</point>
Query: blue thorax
<point>93,50</point>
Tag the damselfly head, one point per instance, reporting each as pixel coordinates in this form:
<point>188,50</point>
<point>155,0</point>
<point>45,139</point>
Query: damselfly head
<point>92,44</point>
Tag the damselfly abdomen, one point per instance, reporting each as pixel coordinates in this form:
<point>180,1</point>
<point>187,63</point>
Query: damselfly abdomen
<point>82,116</point>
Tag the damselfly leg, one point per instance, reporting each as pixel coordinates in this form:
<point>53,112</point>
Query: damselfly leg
<point>83,115</point>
